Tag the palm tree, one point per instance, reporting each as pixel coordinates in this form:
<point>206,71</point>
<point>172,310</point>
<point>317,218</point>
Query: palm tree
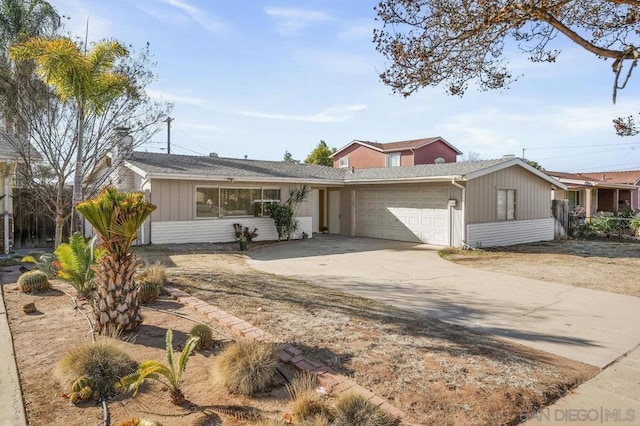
<point>87,78</point>
<point>116,217</point>
<point>19,21</point>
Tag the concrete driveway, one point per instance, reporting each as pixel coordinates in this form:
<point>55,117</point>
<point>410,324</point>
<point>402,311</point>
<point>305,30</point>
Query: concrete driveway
<point>590,326</point>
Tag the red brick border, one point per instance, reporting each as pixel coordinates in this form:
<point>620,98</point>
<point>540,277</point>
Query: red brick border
<point>287,353</point>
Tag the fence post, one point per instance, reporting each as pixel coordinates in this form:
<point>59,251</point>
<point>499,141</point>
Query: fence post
<point>560,211</point>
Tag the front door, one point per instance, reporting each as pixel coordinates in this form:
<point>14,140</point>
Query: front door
<point>334,212</point>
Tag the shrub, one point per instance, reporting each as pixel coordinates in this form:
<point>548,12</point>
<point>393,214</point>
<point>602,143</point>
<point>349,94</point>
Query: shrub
<point>355,409</point>
<point>33,282</point>
<point>154,370</point>
<point>28,259</point>
<point>75,260</point>
<point>204,333</point>
<point>150,282</point>
<point>246,367</point>
<point>307,404</point>
<point>102,364</point>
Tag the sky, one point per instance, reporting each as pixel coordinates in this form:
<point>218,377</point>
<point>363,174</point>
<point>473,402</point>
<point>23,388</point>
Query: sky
<point>258,78</point>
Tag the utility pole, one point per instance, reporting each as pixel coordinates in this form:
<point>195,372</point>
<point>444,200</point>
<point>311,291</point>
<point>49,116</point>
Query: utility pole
<point>168,120</point>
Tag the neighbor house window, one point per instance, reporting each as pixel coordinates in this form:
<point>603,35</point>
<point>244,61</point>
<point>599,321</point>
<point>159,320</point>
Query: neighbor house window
<point>343,162</point>
<point>393,160</point>
<point>506,204</point>
<point>207,202</point>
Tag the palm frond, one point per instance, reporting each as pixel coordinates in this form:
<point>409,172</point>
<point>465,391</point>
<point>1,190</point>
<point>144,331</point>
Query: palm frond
<point>188,349</point>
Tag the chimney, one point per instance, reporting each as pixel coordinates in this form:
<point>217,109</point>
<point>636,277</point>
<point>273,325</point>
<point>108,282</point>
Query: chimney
<point>213,154</point>
<point>508,156</point>
<point>122,148</point>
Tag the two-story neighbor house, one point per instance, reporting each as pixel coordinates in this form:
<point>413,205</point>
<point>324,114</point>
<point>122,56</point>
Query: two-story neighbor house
<point>365,154</point>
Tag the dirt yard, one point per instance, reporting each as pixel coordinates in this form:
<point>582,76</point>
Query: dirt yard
<point>603,264</point>
<point>435,372</point>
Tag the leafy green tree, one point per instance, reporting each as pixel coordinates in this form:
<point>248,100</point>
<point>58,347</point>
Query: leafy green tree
<point>320,155</point>
<point>86,78</point>
<point>288,158</point>
<point>19,21</point>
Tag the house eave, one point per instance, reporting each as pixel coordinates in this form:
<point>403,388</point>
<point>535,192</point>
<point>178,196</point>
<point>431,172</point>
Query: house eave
<point>244,179</point>
<point>405,180</point>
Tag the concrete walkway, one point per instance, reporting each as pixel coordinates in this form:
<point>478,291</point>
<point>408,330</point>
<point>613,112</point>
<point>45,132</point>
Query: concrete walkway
<point>11,404</point>
<point>598,328</point>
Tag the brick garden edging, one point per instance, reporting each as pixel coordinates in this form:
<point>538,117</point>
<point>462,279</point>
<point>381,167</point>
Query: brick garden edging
<point>287,353</point>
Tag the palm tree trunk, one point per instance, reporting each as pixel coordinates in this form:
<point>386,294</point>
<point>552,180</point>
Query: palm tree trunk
<point>116,307</point>
<point>76,219</point>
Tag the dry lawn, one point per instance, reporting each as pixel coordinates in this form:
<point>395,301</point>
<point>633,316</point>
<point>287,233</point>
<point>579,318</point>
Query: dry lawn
<point>435,372</point>
<point>603,264</point>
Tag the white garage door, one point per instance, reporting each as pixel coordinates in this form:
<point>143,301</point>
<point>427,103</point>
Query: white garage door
<point>417,215</point>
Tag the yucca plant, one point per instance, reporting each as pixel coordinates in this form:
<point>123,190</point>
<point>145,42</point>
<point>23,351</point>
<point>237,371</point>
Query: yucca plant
<point>169,376</point>
<point>75,261</point>
<point>116,217</point>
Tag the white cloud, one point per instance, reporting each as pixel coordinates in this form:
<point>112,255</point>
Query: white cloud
<point>290,21</point>
<point>330,115</point>
<point>200,16</point>
<point>357,32</point>
<point>175,97</point>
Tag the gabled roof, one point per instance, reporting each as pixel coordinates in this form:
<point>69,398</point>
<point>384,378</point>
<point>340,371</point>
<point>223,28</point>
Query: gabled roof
<point>157,165</point>
<point>9,152</point>
<point>631,177</point>
<point>172,166</point>
<point>461,171</point>
<point>618,179</point>
<point>398,146</point>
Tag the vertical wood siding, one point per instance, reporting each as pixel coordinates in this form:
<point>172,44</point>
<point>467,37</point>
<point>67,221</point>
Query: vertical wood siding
<point>533,195</point>
<point>511,232</point>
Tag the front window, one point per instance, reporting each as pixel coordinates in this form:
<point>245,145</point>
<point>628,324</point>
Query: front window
<point>393,160</point>
<point>207,202</point>
<point>506,204</point>
<point>344,162</point>
<point>230,202</point>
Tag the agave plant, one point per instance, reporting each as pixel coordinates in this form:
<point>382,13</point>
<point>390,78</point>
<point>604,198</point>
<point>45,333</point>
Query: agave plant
<point>116,217</point>
<point>169,376</point>
<point>75,261</point>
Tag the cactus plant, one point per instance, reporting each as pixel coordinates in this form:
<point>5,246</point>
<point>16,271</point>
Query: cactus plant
<point>148,291</point>
<point>33,282</point>
<point>204,333</point>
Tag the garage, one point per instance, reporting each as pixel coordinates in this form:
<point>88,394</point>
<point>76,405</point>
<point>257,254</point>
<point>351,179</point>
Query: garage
<point>416,215</point>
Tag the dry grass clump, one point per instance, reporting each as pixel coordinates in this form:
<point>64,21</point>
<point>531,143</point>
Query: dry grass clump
<point>155,273</point>
<point>103,363</point>
<point>354,409</point>
<point>150,282</point>
<point>308,405</point>
<point>246,367</point>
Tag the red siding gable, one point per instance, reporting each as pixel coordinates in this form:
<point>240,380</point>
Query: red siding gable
<point>428,153</point>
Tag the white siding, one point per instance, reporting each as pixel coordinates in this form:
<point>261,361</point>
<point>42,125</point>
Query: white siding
<point>218,230</point>
<point>509,232</point>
